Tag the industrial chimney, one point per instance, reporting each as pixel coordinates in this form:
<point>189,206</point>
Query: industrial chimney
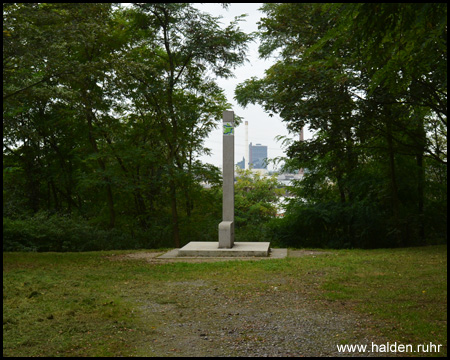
<point>247,160</point>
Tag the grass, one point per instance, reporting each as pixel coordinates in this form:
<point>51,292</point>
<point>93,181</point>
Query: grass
<point>85,304</point>
<point>405,287</point>
<point>61,304</point>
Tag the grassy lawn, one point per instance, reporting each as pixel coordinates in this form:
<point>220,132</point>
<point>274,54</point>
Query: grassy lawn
<point>86,304</point>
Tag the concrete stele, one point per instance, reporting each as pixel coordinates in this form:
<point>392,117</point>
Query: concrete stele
<point>226,227</point>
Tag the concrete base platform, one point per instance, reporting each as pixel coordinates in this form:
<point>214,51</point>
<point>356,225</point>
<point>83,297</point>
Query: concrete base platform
<point>172,255</point>
<point>211,249</point>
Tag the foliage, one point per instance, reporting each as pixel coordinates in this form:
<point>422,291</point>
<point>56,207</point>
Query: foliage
<point>105,114</point>
<point>45,232</point>
<point>256,197</point>
<point>369,80</point>
<point>332,225</point>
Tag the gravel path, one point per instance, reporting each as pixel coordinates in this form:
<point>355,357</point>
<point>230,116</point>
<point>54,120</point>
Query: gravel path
<point>196,318</point>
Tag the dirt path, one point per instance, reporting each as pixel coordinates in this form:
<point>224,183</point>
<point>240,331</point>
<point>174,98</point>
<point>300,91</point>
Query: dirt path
<point>196,318</point>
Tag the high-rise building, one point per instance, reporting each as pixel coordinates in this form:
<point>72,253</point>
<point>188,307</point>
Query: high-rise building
<point>241,164</point>
<point>257,156</point>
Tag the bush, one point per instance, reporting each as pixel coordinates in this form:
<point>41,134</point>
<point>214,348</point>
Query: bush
<point>331,225</point>
<point>44,232</point>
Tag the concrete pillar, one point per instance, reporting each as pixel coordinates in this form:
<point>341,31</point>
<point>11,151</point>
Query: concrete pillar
<point>226,227</point>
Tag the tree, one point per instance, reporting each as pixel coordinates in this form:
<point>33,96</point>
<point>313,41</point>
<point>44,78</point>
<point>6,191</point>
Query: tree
<point>63,78</point>
<point>256,197</point>
<point>183,45</point>
<point>256,200</point>
<point>356,74</point>
<point>106,110</point>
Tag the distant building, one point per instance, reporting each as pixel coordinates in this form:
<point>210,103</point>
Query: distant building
<point>257,156</point>
<point>241,164</point>
<point>288,179</point>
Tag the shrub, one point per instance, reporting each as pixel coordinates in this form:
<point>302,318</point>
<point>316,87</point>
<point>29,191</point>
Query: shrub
<point>44,232</point>
<point>332,225</point>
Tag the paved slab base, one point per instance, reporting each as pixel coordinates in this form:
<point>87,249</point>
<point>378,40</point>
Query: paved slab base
<point>172,255</point>
<point>211,249</point>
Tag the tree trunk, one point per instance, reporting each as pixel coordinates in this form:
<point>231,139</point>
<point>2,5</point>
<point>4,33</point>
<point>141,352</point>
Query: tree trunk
<point>90,116</point>
<point>393,183</point>
<point>421,179</point>
<point>173,202</point>
<point>421,197</point>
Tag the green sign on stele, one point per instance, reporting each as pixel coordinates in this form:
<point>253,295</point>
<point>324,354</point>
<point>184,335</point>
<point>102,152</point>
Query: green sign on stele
<point>228,128</point>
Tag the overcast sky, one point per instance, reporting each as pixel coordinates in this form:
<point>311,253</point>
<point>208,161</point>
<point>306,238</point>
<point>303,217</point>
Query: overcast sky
<point>262,128</point>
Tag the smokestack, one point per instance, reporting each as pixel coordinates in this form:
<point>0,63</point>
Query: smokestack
<point>247,161</point>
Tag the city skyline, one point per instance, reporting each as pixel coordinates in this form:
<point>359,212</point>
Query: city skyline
<point>263,128</point>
